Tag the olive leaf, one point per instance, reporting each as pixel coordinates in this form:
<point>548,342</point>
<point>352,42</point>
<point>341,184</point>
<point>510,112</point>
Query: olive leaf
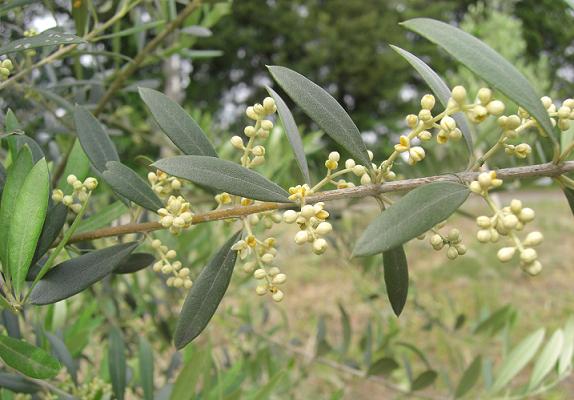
<point>103,217</point>
<point>206,294</point>
<point>18,384</point>
<point>30,360</point>
<point>117,363</point>
<point>569,193</point>
<point>547,359</point>
<point>517,359</point>
<point>411,216</point>
<point>469,378</point>
<point>425,379</point>
<point>134,262</point>
<point>78,164</point>
<point>28,216</point>
<point>396,272</point>
<point>62,353</point>
<point>292,133</point>
<point>383,366</point>
<point>183,131</point>
<point>126,182</point>
<point>94,140</point>
<point>440,89</point>
<point>50,37</point>
<point>224,176</point>
<point>73,276</point>
<point>322,108</point>
<point>486,63</point>
<point>55,220</point>
<point>146,364</point>
<point>2,179</point>
<point>14,180</point>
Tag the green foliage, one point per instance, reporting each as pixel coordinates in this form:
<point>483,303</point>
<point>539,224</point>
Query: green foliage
<point>127,183</point>
<point>29,360</point>
<point>223,176</point>
<point>50,37</point>
<point>396,271</point>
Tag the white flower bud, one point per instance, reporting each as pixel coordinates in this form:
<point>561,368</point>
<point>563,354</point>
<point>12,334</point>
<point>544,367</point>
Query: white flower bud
<point>71,179</point>
<point>448,123</point>
<point>91,183</point>
<point>417,153</point>
<point>484,95</point>
<point>157,266</point>
<point>359,170</point>
<point>334,156</point>
<point>461,249</point>
<point>515,206</point>
<point>249,131</point>
<point>324,228</point>
<point>483,221</point>
<point>564,112</point>
<point>483,235</point>
<point>267,258</point>
<point>184,272</point>
<point>176,184</point>
<point>57,195</point>
<point>526,215</point>
<point>425,135</point>
<point>258,150</point>
<point>279,279</point>
<point>510,221</point>
<point>506,253</point>
<point>166,269</point>
<point>257,160</point>
<point>459,94</point>
<point>68,200</point>
<point>259,273</point>
<point>249,267</point>
<point>266,125</point>
<point>307,211</point>
<point>454,235</point>
<point>528,255</point>
<point>261,290</point>
<point>350,163</point>
<point>269,105</point>
<point>436,240</point>
<point>428,102</point>
<point>250,112</point>
<point>534,268</point>
<point>301,237</point>
<point>237,142</point>
<point>171,254</point>
<point>533,239</point>
<point>177,282</point>
<point>412,121</point>
<point>485,180</point>
<point>319,246</point>
<point>365,179</point>
<point>290,216</point>
<point>495,107</point>
<point>452,253</point>
<point>258,108</point>
<point>475,187</point>
<point>188,283</point>
<point>278,296</point>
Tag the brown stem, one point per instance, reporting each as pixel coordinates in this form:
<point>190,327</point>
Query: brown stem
<point>548,169</point>
<point>133,66</point>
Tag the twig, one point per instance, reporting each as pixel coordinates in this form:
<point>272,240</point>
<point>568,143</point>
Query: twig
<point>548,169</point>
<point>132,67</point>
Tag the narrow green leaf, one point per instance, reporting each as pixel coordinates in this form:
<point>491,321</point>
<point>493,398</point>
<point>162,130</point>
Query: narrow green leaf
<point>50,37</point>
<point>126,182</point>
<point>183,131</point>
<point>103,217</point>
<point>224,176</point>
<point>396,271</point>
<point>439,88</point>
<point>486,63</point>
<point>62,353</point>
<point>73,276</point>
<point>547,359</point>
<point>134,262</point>
<point>383,366</point>
<point>292,133</point>
<point>94,140</point>
<point>18,384</point>
<point>413,215</point>
<point>2,179</point>
<point>424,380</point>
<point>55,220</point>
<point>80,16</point>
<point>78,164</point>
<point>496,321</point>
<point>266,390</point>
<point>135,29</point>
<point>146,364</point>
<point>517,359</point>
<point>30,360</point>
<point>22,140</point>
<point>4,8</point>
<point>117,363</point>
<point>345,328</point>
<point>184,386</point>
<point>565,360</point>
<point>569,193</point>
<point>27,221</point>
<point>14,180</point>
<point>469,378</point>
<point>322,108</point>
<point>206,294</point>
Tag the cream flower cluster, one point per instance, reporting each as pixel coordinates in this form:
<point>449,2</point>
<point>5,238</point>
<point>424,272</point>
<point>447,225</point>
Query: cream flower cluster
<point>506,222</point>
<point>254,155</point>
<point>269,277</point>
<point>176,215</point>
<point>561,116</point>
<point>179,277</point>
<point>452,242</point>
<point>6,68</point>
<point>79,196</point>
<point>312,225</point>
<point>163,184</point>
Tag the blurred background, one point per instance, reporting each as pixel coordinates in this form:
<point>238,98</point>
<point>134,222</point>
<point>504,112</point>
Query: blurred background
<point>335,323</point>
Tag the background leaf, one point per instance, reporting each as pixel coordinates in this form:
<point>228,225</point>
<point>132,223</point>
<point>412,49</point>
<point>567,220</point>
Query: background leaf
<point>569,193</point>
<point>547,359</point>
<point>440,90</point>
<point>322,108</point>
<point>146,364</point>
<point>224,176</point>
<point>117,363</point>
<point>183,131</point>
<point>94,140</point>
<point>18,384</point>
<point>126,182</point>
<point>469,378</point>
<point>383,366</point>
<point>55,220</point>
<point>206,294</point>
<point>50,37</point>
<point>486,63</point>
<point>411,216</point>
<point>29,360</point>
<point>396,271</point>
<point>292,133</point>
<point>61,352</point>
<point>27,221</point>
<point>134,262</point>
<point>517,359</point>
<point>73,276</point>
<point>425,379</point>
